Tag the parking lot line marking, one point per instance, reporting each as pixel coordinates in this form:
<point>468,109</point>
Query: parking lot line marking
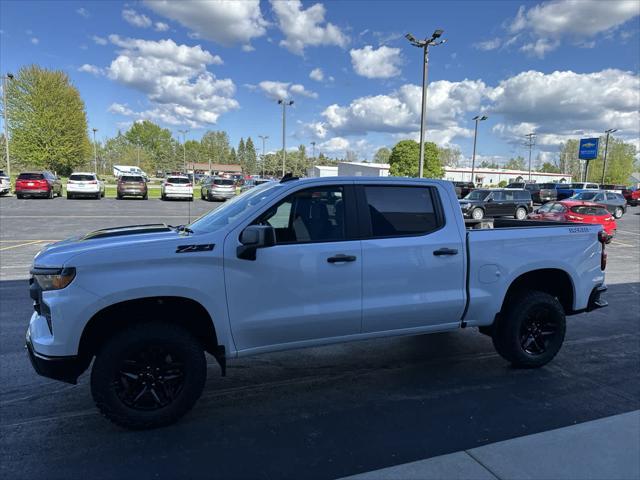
<point>632,233</point>
<point>616,242</point>
<point>141,216</point>
<point>27,240</point>
<point>20,245</point>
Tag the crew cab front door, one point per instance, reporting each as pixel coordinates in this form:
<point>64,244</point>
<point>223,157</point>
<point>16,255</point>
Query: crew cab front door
<point>306,287</point>
<point>413,259</point>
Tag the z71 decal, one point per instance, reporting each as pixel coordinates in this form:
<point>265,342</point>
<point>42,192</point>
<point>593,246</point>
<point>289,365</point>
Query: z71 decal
<point>578,229</point>
<point>207,247</point>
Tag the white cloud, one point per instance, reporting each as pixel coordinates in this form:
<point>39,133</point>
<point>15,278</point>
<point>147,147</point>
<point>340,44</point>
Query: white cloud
<point>136,19</point>
<point>488,44</point>
<point>35,40</point>
<point>175,80</point>
<point>303,28</point>
<point>317,75</point>
<point>83,12</point>
<point>546,24</point>
<point>92,69</point>
<point>226,22</point>
<point>248,48</point>
<point>335,145</point>
<point>381,63</point>
<point>99,40</point>
<point>278,90</point>
<point>161,27</point>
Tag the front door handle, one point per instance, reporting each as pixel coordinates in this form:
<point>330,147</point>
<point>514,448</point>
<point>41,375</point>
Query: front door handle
<point>445,251</point>
<point>341,258</point>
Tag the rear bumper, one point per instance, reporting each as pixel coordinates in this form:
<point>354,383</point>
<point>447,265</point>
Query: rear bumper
<point>595,299</point>
<point>35,192</point>
<point>64,369</point>
<point>178,194</point>
<point>225,195</point>
<point>84,191</point>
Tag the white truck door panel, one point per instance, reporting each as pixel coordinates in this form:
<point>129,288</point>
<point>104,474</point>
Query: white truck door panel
<point>306,287</point>
<point>411,280</point>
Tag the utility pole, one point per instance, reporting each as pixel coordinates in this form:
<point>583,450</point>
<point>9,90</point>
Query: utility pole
<point>531,140</point>
<point>95,151</point>
<point>606,148</point>
<point>264,138</point>
<point>424,44</point>
<point>184,150</point>
<point>6,77</point>
<point>284,104</point>
<point>313,149</point>
<point>477,118</point>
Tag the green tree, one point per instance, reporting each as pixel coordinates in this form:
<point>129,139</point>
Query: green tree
<point>487,164</point>
<point>620,162</point>
<point>382,155</point>
<point>241,153</point>
<point>48,127</point>
<point>516,163</point>
<point>250,158</point>
<point>215,144</point>
<point>233,158</point>
<point>157,144</point>
<point>449,157</point>
<point>548,167</point>
<point>405,156</point>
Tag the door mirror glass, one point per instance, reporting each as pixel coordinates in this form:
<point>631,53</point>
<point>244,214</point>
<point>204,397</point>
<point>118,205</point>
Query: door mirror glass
<point>254,237</point>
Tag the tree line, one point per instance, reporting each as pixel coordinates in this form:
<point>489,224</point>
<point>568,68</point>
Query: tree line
<point>49,129</point>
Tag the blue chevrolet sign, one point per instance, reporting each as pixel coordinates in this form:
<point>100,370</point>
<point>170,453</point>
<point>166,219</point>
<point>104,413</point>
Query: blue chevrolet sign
<point>588,149</point>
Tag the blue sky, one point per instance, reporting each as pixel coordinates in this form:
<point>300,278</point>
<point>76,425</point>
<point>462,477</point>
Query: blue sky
<point>562,69</point>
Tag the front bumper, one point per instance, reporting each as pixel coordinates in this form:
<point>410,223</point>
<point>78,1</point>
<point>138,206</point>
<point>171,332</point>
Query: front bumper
<point>64,369</point>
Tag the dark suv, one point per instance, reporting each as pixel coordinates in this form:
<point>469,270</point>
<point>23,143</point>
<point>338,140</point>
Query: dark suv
<point>132,186</point>
<point>463,188</point>
<point>532,188</point>
<point>497,203</point>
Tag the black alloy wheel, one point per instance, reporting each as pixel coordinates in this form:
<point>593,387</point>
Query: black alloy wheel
<point>537,331</point>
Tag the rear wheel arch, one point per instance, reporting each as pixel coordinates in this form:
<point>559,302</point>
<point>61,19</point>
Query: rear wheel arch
<point>554,281</point>
<point>184,312</point>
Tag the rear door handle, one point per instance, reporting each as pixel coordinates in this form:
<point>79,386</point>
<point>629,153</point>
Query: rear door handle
<point>445,251</point>
<point>341,258</point>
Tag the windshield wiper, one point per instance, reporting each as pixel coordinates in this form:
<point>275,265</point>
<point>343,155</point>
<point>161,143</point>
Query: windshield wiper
<point>181,228</point>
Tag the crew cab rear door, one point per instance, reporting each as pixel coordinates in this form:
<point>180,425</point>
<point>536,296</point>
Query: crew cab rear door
<point>413,270</point>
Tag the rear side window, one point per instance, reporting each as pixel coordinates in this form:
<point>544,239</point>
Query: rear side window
<point>223,181</point>
<point>178,180</point>
<point>548,186</point>
<point>612,196</point>
<point>400,211</point>
<point>82,178</point>
<point>589,210</point>
<point>523,195</point>
<point>593,185</point>
<point>30,176</point>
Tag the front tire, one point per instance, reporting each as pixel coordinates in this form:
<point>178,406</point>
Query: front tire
<point>148,375</point>
<point>531,330</point>
<point>618,212</point>
<point>477,214</point>
<point>520,214</point>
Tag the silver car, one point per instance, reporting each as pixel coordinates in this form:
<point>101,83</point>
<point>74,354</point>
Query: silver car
<point>216,188</point>
<point>613,202</point>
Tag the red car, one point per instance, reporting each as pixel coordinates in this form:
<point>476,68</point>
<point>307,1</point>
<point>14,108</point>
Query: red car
<point>577,212</point>
<point>38,184</point>
<point>633,197</point>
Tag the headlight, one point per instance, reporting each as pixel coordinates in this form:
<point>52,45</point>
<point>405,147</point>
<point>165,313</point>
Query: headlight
<point>54,279</point>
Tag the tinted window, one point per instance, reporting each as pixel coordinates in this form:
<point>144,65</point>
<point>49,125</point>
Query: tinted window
<point>311,215</point>
<point>585,196</point>
<point>82,178</point>
<point>586,210</point>
<point>30,176</point>
<point>557,208</point>
<point>546,207</point>
<point>592,185</point>
<point>397,211</point>
<point>178,180</point>
<point>497,196</point>
<point>532,186</point>
<point>477,195</point>
<point>223,181</point>
<point>508,195</point>
<point>550,186</point>
<point>515,185</point>
<point>131,178</point>
<point>612,196</point>
<point>523,195</point>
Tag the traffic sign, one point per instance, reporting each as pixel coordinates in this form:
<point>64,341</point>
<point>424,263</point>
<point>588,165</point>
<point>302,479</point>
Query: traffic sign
<point>588,149</point>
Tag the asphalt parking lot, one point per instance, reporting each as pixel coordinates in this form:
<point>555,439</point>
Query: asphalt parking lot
<point>315,413</point>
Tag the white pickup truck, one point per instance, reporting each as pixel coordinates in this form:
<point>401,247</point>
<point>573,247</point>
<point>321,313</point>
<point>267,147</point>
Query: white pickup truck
<point>293,264</point>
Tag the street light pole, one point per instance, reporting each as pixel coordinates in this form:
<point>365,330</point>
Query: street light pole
<point>264,138</point>
<point>531,137</point>
<point>424,44</point>
<point>313,149</point>
<point>284,104</point>
<point>477,118</point>
<point>606,148</point>
<point>184,150</point>
<point>6,77</point>
<point>95,151</point>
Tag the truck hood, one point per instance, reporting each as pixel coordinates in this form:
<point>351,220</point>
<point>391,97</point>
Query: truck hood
<point>58,254</point>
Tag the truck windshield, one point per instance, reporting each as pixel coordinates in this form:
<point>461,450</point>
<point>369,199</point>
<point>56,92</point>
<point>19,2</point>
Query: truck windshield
<point>477,195</point>
<point>234,208</point>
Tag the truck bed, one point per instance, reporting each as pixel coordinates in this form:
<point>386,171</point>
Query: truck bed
<point>488,223</point>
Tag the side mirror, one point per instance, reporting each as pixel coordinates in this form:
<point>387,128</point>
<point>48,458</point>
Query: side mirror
<point>489,200</point>
<point>254,237</point>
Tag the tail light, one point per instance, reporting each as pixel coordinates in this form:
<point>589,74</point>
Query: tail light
<point>168,184</point>
<point>189,185</point>
<point>93,182</point>
<point>603,238</point>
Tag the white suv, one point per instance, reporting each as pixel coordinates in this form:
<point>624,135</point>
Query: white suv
<point>177,187</point>
<point>85,184</point>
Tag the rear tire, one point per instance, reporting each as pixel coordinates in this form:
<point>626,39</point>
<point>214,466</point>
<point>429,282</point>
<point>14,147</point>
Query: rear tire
<point>50,195</point>
<point>520,214</point>
<point>618,212</point>
<point>477,214</point>
<point>19,196</point>
<point>118,197</point>
<point>145,196</point>
<point>148,375</point>
<point>69,196</point>
<point>531,330</point>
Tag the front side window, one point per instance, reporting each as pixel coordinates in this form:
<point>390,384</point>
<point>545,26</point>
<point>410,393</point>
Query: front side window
<point>479,195</point>
<point>557,208</point>
<point>611,196</point>
<point>400,211</point>
<point>546,208</point>
<point>311,215</point>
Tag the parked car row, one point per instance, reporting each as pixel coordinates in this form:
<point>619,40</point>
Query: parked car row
<point>577,211</point>
<point>502,202</point>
